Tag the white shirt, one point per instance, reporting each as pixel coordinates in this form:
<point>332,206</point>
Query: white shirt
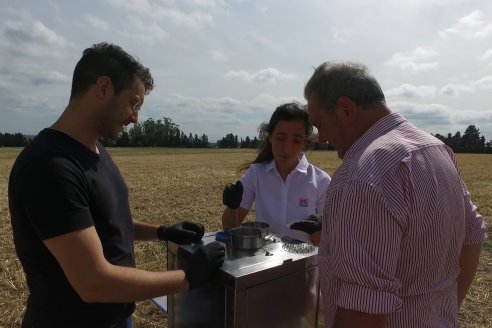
<point>280,202</point>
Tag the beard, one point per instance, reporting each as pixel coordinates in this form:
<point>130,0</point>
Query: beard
<point>109,124</point>
<point>112,131</point>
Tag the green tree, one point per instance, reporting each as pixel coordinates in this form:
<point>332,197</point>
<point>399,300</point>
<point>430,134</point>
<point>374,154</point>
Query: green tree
<point>471,141</point>
<point>137,136</point>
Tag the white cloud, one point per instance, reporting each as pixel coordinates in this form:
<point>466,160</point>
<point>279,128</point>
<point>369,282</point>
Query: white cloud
<point>148,32</point>
<point>23,35</point>
<point>215,116</point>
<point>132,6</point>
<point>268,49</point>
<point>43,34</point>
<point>264,10</point>
<point>97,23</point>
<point>415,61</point>
<point>268,75</point>
<point>423,115</point>
<point>194,19</point>
<point>437,118</point>
<point>456,89</point>
<point>412,91</point>
<point>211,4</point>
<point>190,13</point>
<point>341,35</point>
<point>260,41</point>
<point>32,74</point>
<point>470,26</point>
<point>483,83</point>
<point>54,6</point>
<point>487,55</point>
<point>218,55</point>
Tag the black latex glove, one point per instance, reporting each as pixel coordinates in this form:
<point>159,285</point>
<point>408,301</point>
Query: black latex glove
<point>232,195</point>
<point>185,232</point>
<point>204,263</point>
<point>309,225</point>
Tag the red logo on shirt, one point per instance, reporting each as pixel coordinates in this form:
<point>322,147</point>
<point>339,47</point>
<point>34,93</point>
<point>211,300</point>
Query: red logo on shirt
<point>303,202</point>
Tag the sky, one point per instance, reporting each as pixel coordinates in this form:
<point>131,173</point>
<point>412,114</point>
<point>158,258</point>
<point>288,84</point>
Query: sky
<point>223,66</point>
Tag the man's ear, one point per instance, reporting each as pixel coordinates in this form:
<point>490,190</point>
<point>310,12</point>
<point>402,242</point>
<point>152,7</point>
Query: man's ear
<point>103,86</point>
<point>348,110</point>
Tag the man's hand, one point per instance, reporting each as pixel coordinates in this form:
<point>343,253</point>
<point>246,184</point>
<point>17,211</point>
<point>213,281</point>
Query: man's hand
<point>204,263</point>
<point>185,232</point>
<point>232,195</point>
<point>309,225</point>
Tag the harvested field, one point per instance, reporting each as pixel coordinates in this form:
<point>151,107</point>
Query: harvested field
<point>170,185</point>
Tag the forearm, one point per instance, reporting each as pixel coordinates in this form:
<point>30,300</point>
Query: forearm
<point>230,218</point>
<point>144,230</point>
<point>468,262</point>
<point>116,284</point>
<point>80,254</point>
<point>316,238</point>
<point>356,319</point>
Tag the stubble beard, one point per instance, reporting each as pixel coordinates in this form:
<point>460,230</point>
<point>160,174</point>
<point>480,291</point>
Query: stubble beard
<point>109,127</point>
<point>113,132</point>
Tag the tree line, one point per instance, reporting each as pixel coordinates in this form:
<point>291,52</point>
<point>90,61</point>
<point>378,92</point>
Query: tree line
<point>160,133</point>
<point>13,140</point>
<point>231,141</point>
<point>470,142</point>
<point>165,133</point>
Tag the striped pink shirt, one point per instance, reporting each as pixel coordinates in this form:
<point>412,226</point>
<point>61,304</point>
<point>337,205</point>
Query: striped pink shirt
<point>396,216</point>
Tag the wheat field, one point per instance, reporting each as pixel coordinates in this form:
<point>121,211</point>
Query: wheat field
<point>170,185</point>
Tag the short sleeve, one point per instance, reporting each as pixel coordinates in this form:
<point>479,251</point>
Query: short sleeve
<point>249,187</point>
<point>54,196</point>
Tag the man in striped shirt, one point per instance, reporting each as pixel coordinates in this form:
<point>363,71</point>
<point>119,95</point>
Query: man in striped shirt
<point>401,238</point>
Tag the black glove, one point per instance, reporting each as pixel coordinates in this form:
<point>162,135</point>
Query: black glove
<point>204,263</point>
<point>185,232</point>
<point>232,195</point>
<point>309,225</point>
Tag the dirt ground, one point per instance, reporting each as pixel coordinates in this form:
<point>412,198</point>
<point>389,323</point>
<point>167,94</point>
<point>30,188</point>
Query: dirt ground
<point>170,185</point>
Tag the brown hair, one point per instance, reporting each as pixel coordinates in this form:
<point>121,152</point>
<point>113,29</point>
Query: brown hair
<point>285,112</point>
<point>112,61</point>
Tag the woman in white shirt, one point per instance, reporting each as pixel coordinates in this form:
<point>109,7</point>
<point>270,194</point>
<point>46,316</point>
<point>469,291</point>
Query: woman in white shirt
<point>284,186</point>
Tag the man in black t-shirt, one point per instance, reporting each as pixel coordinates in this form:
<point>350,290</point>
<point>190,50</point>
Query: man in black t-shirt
<point>72,226</point>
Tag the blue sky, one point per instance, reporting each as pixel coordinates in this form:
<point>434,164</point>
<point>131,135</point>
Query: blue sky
<point>223,66</point>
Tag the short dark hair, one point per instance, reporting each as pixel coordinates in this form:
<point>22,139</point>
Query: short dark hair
<point>105,59</point>
<point>332,80</point>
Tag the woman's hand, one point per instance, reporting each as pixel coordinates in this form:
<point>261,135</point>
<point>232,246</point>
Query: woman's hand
<point>232,195</point>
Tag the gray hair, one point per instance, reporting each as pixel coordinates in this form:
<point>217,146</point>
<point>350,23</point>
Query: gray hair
<point>332,80</point>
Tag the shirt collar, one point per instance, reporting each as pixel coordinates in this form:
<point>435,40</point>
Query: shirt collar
<point>385,124</point>
<point>302,166</point>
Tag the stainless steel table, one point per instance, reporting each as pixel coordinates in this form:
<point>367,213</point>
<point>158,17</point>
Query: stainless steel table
<point>269,287</point>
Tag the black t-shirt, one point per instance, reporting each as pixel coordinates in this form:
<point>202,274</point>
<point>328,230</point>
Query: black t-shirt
<point>57,186</point>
